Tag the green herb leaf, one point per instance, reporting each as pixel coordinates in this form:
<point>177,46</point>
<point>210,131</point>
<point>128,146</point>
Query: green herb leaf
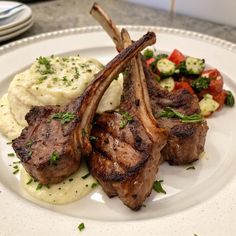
<point>182,68</point>
<point>229,101</point>
<point>81,226</point>
<point>30,181</point>
<point>44,61</point>
<point>85,176</point>
<point>11,154</point>
<point>158,187</point>
<point>16,171</point>
<point>191,168</point>
<point>16,162</point>
<point>94,185</point>
<point>39,186</point>
<point>54,158</point>
<point>201,83</point>
<point>77,74</point>
<point>9,143</point>
<point>126,118</point>
<point>148,54</point>
<point>171,113</point>
<point>64,117</point>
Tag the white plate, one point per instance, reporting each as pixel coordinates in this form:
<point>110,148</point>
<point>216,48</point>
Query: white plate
<point>17,18</point>
<point>16,28</point>
<point>200,201</point>
<point>17,32</point>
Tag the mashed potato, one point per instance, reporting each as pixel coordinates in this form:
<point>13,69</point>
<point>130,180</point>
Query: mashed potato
<point>51,81</point>
<point>71,189</point>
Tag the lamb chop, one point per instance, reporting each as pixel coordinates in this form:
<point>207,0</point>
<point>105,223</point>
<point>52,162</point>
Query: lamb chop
<point>186,141</point>
<point>126,151</point>
<point>50,148</point>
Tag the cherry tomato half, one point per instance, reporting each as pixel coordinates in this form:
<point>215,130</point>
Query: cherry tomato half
<point>216,82</point>
<point>150,61</point>
<point>176,56</point>
<point>183,85</point>
<point>220,98</point>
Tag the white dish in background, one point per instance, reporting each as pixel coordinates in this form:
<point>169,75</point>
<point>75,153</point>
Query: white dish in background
<point>16,28</point>
<point>200,201</point>
<point>17,32</point>
<point>17,18</point>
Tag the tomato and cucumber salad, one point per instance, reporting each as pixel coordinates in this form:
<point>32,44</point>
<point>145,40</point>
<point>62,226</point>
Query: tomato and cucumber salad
<point>177,71</point>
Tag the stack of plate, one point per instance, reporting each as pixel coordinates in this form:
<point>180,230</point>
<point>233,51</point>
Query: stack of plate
<point>15,21</point>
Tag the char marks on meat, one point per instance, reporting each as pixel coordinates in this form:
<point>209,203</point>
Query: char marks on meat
<point>185,142</point>
<point>50,148</point>
<point>125,158</point>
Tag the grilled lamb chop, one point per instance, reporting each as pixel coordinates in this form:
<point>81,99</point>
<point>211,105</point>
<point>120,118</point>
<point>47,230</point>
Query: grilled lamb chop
<point>126,153</point>
<point>186,140</point>
<point>50,148</point>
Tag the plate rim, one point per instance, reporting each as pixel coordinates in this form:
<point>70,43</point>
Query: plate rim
<point>14,45</point>
<point>89,29</point>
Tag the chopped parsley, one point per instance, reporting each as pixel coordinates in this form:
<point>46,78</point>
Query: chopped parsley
<point>158,187</point>
<point>171,113</point>
<point>126,118</point>
<point>44,61</point>
<point>77,74</point>
<point>30,181</point>
<point>39,186</point>
<point>229,100</point>
<point>53,159</point>
<point>41,79</point>
<point>71,179</point>
<point>11,154</point>
<point>9,143</point>
<point>64,117</point>
<point>16,162</point>
<point>81,226</point>
<point>15,171</point>
<point>94,185</point>
<point>201,83</point>
<point>191,168</point>
<point>16,167</point>
<point>148,54</point>
<point>66,82</point>
<point>85,176</point>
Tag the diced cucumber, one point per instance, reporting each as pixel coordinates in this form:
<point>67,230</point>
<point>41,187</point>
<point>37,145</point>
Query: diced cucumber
<point>194,66</point>
<point>168,84</point>
<point>208,105</point>
<point>165,67</point>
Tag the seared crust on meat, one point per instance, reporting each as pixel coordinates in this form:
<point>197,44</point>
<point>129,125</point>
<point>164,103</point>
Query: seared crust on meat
<point>40,140</point>
<point>51,149</point>
<point>185,141</point>
<point>124,161</point>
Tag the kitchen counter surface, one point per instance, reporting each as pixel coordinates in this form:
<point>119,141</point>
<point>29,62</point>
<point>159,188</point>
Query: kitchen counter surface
<point>64,14</point>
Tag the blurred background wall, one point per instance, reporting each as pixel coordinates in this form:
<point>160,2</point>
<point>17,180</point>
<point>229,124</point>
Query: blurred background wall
<point>220,11</point>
